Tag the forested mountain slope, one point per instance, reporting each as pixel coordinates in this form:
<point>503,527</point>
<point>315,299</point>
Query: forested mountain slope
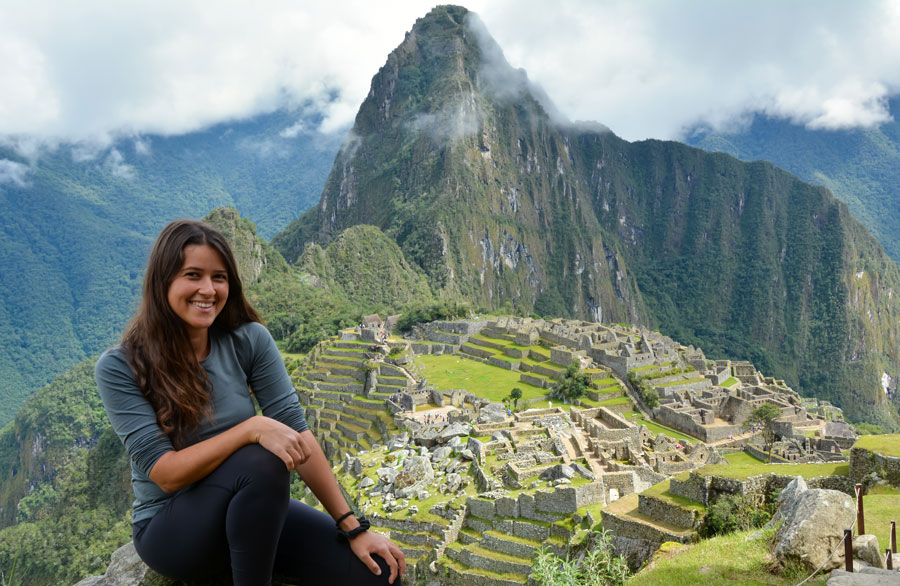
<point>860,166</point>
<point>75,235</point>
<point>457,157</point>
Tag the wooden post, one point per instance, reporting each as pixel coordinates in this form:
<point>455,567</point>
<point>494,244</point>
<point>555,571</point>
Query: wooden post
<point>860,517</point>
<point>889,559</point>
<point>893,537</point>
<point>848,550</point>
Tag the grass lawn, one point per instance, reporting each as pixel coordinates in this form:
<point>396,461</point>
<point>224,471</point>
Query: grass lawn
<point>887,445</point>
<point>730,382</point>
<point>882,505</point>
<point>749,466</point>
<point>657,428</point>
<point>448,372</point>
<point>738,559</point>
<point>292,355</point>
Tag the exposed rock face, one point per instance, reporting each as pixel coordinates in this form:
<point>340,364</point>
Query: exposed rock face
<point>125,569</point>
<point>813,527</point>
<point>416,475</point>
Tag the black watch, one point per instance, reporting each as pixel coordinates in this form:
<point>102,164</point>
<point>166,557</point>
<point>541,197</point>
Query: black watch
<point>363,526</point>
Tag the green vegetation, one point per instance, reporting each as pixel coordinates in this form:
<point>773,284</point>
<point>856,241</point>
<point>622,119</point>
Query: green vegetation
<point>448,372</point>
<point>887,445</point>
<point>764,417</point>
<point>745,469</point>
<point>735,512</point>
<point>573,386</point>
<point>737,559</point>
<point>599,566</point>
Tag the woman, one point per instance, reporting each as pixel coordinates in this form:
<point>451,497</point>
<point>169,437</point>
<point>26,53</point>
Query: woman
<point>211,478</point>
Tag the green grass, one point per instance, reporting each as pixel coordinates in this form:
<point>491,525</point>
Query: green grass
<point>743,468</point>
<point>675,383</point>
<point>737,559</point>
<point>730,382</point>
<point>661,491</point>
<point>448,372</point>
<point>657,428</point>
<point>887,445</point>
<point>882,505</point>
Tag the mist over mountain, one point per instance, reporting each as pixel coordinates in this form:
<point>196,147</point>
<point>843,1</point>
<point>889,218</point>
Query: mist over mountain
<point>457,157</point>
<point>79,221</point>
<point>860,166</point>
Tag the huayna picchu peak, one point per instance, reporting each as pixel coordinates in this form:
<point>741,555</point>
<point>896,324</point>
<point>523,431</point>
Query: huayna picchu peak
<point>456,156</point>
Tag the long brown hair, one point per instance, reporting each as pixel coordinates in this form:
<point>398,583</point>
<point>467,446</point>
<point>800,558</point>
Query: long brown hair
<point>156,340</point>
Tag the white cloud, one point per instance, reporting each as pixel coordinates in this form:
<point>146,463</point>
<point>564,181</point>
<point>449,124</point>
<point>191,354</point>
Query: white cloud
<point>13,172</point>
<point>115,164</point>
<point>90,70</point>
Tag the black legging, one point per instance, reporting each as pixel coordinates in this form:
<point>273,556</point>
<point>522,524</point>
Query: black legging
<point>240,521</point>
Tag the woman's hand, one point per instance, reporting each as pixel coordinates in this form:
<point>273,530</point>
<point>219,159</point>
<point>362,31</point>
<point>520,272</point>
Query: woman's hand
<point>367,543</point>
<point>281,440</point>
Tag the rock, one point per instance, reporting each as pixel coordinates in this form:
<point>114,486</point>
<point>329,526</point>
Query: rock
<point>467,454</point>
<point>492,413</point>
<point>416,475</point>
<point>398,442</point>
<point>453,482</point>
<point>584,472</point>
<point>557,472</point>
<point>864,577</point>
<point>453,430</point>
<point>387,475</point>
<point>784,506</point>
<point>125,569</point>
<point>498,436</point>
<point>366,482</point>
<point>561,481</point>
<point>813,527</point>
<point>440,454</point>
<point>422,495</point>
<point>426,437</point>
<point>865,547</point>
<point>455,442</point>
<point>477,447</point>
<point>413,510</point>
<point>356,467</point>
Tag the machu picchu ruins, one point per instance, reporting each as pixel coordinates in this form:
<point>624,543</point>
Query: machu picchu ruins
<point>472,484</point>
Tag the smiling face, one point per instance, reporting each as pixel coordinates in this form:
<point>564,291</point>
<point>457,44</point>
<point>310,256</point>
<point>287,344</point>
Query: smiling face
<point>199,291</point>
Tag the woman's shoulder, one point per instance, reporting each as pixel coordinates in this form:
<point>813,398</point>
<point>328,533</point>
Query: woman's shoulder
<point>112,359</point>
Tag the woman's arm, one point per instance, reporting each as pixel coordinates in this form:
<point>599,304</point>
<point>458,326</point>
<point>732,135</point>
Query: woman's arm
<point>317,474</point>
<point>178,468</point>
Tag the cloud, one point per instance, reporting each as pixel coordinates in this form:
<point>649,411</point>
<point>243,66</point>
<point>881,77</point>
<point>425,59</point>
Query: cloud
<point>653,68</point>
<point>115,164</point>
<point>91,71</point>
<point>12,172</point>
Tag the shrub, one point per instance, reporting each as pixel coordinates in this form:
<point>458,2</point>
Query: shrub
<point>600,566</point>
<point>734,513</point>
<point>650,397</point>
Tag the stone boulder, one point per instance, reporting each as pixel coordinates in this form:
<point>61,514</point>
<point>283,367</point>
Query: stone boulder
<point>416,475</point>
<point>453,430</point>
<point>492,413</point>
<point>814,523</point>
<point>866,548</point>
<point>125,569</point>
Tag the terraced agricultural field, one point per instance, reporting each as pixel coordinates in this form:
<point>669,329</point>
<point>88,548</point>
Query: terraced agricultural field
<point>447,371</point>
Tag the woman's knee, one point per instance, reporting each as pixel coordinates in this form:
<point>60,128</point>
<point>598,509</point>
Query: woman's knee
<point>253,464</point>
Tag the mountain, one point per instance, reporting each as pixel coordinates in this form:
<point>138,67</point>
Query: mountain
<point>860,166</point>
<point>466,165</point>
<point>74,234</point>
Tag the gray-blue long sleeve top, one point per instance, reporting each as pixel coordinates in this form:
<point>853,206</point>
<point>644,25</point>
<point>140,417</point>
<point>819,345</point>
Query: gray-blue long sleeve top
<point>246,357</point>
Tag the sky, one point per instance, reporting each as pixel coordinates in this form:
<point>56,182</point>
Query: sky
<point>96,70</point>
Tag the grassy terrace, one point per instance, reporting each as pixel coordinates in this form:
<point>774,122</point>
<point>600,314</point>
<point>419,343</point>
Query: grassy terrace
<point>738,559</point>
<point>636,418</point>
<point>882,505</point>
<point>887,445</point>
<point>661,491</point>
<point>743,466</point>
<point>448,372</point>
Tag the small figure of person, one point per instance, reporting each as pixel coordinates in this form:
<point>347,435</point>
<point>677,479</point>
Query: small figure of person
<point>211,479</point>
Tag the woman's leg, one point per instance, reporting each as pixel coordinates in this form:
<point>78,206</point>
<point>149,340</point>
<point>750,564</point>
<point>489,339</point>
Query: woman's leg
<point>310,552</point>
<point>230,519</point>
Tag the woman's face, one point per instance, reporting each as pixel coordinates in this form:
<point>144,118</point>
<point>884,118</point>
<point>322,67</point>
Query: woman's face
<point>199,290</point>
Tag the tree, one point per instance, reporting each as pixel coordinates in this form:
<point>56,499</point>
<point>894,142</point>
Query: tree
<point>515,394</point>
<point>765,416</point>
<point>573,386</point>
